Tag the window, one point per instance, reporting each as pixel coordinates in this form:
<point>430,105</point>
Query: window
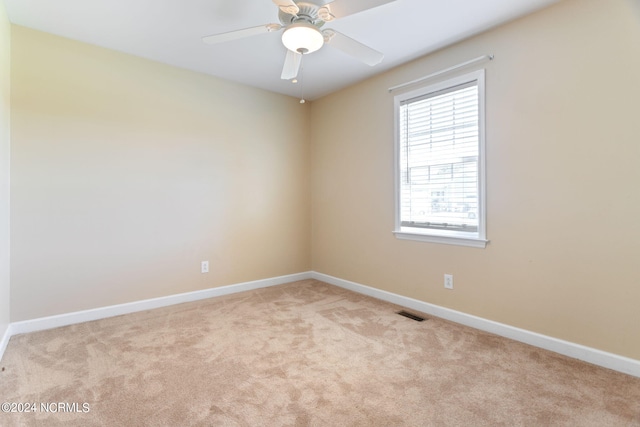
<point>440,191</point>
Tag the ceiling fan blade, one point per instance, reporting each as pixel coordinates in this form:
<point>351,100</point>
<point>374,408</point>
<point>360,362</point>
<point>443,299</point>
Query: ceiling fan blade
<point>351,47</point>
<point>287,6</point>
<point>341,8</point>
<point>239,34</point>
<point>291,65</point>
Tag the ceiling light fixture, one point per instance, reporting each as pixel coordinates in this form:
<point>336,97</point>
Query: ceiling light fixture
<point>303,38</point>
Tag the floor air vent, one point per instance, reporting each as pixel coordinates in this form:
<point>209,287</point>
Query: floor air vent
<point>411,316</point>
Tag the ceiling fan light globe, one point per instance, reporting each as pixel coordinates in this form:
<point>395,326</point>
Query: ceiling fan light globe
<point>302,38</point>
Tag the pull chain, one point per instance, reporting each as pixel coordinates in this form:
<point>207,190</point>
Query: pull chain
<point>302,100</point>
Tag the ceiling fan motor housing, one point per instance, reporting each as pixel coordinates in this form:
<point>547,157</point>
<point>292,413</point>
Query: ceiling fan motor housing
<point>308,13</point>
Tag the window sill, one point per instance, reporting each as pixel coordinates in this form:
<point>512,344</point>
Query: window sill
<point>447,240</point>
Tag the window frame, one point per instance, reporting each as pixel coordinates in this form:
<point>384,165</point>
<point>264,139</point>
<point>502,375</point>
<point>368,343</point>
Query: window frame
<point>477,239</point>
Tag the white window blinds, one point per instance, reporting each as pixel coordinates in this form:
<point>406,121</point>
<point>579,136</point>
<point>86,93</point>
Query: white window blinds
<point>438,156</point>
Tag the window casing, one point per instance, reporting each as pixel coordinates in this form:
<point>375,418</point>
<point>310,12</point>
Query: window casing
<point>440,157</point>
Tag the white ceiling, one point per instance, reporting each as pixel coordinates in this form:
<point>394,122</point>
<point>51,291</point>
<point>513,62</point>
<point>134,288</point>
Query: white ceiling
<point>170,31</point>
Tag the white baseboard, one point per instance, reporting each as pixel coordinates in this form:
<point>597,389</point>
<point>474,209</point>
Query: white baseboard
<point>5,340</point>
<point>577,351</point>
<point>50,322</point>
<point>591,355</point>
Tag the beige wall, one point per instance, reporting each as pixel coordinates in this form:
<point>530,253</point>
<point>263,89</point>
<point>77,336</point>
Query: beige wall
<point>563,151</point>
<point>5,69</point>
<point>127,173</point>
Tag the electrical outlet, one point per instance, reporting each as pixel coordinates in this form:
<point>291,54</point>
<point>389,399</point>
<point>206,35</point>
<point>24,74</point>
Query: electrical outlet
<point>204,267</point>
<point>448,281</point>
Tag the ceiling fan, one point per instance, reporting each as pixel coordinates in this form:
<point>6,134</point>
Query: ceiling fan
<point>302,21</point>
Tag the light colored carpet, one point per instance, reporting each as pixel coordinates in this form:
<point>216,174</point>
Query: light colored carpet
<point>301,354</point>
